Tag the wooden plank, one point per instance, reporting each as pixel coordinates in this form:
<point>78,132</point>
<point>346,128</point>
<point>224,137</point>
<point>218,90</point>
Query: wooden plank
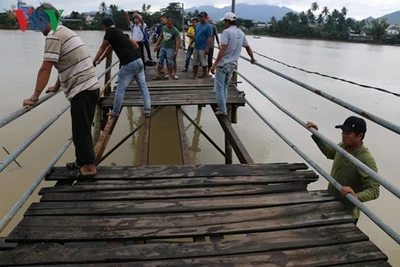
<point>154,194</point>
<point>6,246</point>
<point>108,103</point>
<point>379,263</point>
<point>145,143</point>
<point>183,138</point>
<point>304,177</point>
<point>178,94</point>
<point>175,205</point>
<point>104,138</point>
<point>353,254</point>
<point>159,171</point>
<point>263,242</point>
<point>237,145</point>
<point>160,226</point>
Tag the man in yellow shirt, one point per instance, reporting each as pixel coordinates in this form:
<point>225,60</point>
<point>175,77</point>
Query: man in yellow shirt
<point>189,53</point>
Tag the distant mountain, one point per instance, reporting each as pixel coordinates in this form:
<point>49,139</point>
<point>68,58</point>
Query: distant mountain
<point>257,13</point>
<point>392,18</point>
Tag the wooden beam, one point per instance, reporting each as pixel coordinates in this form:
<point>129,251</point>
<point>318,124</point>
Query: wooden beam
<point>237,145</point>
<point>145,143</point>
<point>183,137</point>
<point>101,145</point>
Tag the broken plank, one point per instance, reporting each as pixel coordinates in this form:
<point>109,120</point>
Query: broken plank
<point>154,194</point>
<point>262,242</point>
<point>160,226</point>
<point>175,205</point>
<point>159,171</point>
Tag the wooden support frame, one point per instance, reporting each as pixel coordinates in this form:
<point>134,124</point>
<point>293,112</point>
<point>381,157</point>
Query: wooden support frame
<point>146,143</point>
<point>237,145</point>
<point>101,145</point>
<point>183,137</point>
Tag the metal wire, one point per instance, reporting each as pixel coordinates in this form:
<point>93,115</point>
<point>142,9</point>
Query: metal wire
<point>385,183</point>
<point>388,125</point>
<point>393,234</point>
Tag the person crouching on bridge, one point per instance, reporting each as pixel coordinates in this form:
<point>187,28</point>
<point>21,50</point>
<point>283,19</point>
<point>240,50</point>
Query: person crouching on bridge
<point>232,41</point>
<point>353,180</point>
<point>132,66</point>
<point>65,51</point>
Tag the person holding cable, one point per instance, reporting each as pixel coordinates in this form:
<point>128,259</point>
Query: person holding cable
<point>352,178</point>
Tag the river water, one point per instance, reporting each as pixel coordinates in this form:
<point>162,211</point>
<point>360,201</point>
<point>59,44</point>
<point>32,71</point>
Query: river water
<point>20,60</point>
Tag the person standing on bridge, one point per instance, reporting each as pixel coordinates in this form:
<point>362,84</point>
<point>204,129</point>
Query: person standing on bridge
<point>65,51</point>
<point>132,66</point>
<point>232,41</point>
<point>202,42</point>
<point>353,180</point>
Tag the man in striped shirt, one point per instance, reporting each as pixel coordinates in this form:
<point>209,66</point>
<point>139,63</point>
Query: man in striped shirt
<point>65,51</point>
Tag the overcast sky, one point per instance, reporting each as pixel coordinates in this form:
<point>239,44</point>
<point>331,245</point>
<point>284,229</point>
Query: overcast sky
<point>358,9</point>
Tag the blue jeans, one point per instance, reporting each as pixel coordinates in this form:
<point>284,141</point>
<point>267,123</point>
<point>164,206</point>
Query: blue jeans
<point>128,72</point>
<point>168,54</point>
<point>221,82</point>
<point>189,54</point>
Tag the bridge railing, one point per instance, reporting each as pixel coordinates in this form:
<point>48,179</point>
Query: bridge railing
<point>384,123</point>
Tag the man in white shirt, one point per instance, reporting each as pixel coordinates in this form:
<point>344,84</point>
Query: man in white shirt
<point>137,27</point>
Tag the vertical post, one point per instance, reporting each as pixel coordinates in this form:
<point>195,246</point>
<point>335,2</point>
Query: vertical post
<point>228,146</point>
<point>233,6</point>
<point>183,26</point>
<point>100,118</point>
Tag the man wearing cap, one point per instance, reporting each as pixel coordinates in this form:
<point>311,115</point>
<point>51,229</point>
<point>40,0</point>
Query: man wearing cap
<point>232,41</point>
<point>202,43</point>
<point>132,66</point>
<point>65,51</point>
<point>353,180</point>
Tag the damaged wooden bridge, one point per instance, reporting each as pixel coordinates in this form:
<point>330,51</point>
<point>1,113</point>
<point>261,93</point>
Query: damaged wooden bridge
<point>243,214</point>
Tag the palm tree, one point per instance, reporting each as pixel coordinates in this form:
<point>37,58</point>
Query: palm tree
<point>378,29</point>
<point>344,11</point>
<point>320,19</point>
<point>146,9</point>
<point>325,11</point>
<point>314,6</point>
<point>103,7</point>
<point>311,17</point>
<point>273,20</point>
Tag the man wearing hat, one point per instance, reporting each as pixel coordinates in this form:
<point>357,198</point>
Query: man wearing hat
<point>232,41</point>
<point>202,43</point>
<point>132,66</point>
<point>353,180</point>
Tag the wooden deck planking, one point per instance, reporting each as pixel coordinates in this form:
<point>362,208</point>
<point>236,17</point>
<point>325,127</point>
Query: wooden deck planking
<point>289,225</point>
<point>184,171</point>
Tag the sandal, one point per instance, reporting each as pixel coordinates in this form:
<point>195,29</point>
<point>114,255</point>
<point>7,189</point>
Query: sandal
<point>112,114</point>
<point>218,113</point>
<point>147,115</point>
<point>72,166</point>
<point>77,174</point>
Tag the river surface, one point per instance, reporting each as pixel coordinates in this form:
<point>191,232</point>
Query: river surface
<point>21,54</point>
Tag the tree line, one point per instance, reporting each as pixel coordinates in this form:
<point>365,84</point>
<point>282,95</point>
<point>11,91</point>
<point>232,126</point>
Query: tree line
<point>326,24</point>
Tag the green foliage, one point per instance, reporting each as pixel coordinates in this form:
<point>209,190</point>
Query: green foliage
<point>8,21</point>
<point>174,10</point>
<point>378,29</point>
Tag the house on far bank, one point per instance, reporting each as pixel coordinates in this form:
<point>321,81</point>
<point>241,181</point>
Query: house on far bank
<point>260,25</point>
<point>89,19</point>
<point>393,29</point>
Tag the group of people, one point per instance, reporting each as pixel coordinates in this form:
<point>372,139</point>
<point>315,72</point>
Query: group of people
<point>65,51</point>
